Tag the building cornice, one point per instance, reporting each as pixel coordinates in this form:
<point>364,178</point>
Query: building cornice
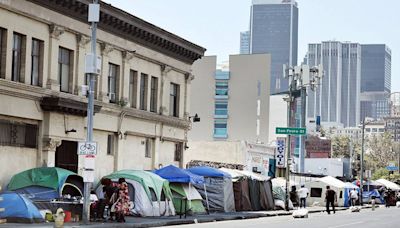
<point>36,93</point>
<point>127,26</point>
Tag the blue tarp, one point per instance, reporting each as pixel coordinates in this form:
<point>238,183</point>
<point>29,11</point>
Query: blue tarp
<point>176,175</point>
<point>206,171</point>
<point>18,209</point>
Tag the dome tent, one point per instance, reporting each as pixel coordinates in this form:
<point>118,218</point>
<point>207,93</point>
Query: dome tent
<point>150,193</point>
<point>46,183</point>
<point>18,209</point>
<point>181,183</point>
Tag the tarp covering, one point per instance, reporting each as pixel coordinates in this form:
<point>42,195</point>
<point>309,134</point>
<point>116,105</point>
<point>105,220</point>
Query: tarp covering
<point>389,184</point>
<point>217,188</point>
<point>242,195</point>
<point>185,194</point>
<point>18,209</point>
<point>266,195</point>
<point>255,194</point>
<point>206,171</point>
<point>177,175</point>
<point>50,177</point>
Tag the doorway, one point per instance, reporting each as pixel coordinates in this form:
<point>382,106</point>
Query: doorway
<point>67,156</point>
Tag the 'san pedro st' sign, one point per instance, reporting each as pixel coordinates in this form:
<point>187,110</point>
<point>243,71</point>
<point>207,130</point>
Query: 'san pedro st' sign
<point>290,131</point>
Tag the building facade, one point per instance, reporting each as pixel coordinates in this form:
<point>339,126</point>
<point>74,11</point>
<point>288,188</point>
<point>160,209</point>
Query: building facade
<point>274,30</point>
<point>233,105</point>
<point>245,42</point>
<point>337,99</point>
<point>375,81</point>
<point>141,95</point>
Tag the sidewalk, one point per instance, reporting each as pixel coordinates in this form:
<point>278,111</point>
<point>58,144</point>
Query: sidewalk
<point>136,222</point>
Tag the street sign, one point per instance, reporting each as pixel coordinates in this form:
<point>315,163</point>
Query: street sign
<point>392,168</point>
<point>290,131</point>
<point>87,148</point>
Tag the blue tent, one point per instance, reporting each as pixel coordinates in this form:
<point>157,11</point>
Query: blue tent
<point>176,175</point>
<point>18,209</point>
<point>206,171</point>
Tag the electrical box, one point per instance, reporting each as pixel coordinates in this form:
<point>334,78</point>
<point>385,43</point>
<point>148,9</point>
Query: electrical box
<point>305,74</point>
<point>94,13</point>
<point>89,67</point>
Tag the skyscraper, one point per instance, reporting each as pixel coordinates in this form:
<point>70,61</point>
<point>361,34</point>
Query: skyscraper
<point>274,30</point>
<point>245,42</point>
<point>375,80</point>
<point>337,99</point>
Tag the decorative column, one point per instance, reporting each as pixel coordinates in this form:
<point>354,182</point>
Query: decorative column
<point>123,83</point>
<point>49,151</point>
<point>164,72</point>
<point>103,77</point>
<point>81,41</point>
<point>54,41</point>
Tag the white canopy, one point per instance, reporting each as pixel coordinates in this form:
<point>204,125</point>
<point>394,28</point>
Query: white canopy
<point>389,184</point>
<point>328,180</point>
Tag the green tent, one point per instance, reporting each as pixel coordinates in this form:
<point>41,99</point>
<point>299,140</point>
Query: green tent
<point>183,192</point>
<point>49,177</point>
<point>147,180</point>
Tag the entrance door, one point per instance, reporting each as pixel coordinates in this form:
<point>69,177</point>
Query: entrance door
<point>66,156</point>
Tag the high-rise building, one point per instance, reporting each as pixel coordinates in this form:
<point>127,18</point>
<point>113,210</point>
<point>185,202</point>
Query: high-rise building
<point>245,42</point>
<point>337,99</point>
<point>375,80</point>
<point>233,104</point>
<point>274,30</point>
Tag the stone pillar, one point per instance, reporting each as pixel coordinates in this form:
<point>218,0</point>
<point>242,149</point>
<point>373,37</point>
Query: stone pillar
<point>125,76</point>
<point>103,77</point>
<point>49,151</point>
<point>79,79</point>
<point>164,72</point>
<point>52,76</point>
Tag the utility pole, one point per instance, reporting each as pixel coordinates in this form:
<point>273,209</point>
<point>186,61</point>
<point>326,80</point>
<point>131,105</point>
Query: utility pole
<point>362,162</point>
<point>93,17</point>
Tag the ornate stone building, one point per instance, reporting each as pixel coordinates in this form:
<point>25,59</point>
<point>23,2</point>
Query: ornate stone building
<point>141,95</point>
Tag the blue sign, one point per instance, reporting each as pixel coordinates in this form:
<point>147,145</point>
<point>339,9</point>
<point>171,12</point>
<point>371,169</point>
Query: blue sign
<point>392,168</point>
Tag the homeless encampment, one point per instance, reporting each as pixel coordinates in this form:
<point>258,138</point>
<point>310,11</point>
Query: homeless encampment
<point>317,190</point>
<point>217,190</point>
<point>240,190</point>
<point>18,209</point>
<point>185,196</point>
<point>46,183</point>
<point>151,194</point>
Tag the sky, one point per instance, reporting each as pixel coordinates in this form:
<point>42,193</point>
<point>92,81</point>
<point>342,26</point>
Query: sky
<point>216,24</point>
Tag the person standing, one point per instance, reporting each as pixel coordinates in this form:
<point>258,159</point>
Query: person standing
<point>122,204</point>
<point>353,197</point>
<point>303,194</point>
<point>330,199</point>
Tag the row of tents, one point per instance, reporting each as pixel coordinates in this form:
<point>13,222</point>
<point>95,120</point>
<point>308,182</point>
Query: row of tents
<point>166,191</point>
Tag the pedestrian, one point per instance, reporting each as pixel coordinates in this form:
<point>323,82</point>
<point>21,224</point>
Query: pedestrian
<point>386,197</point>
<point>353,197</point>
<point>122,204</point>
<point>330,199</point>
<point>303,194</point>
<point>293,197</point>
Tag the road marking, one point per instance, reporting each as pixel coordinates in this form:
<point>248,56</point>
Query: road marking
<point>348,224</point>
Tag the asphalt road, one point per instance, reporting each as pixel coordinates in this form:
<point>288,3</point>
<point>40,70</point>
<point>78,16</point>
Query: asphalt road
<point>381,218</point>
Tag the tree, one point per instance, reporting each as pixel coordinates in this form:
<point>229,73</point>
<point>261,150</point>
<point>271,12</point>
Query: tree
<point>341,146</point>
<point>380,149</point>
<point>385,174</point>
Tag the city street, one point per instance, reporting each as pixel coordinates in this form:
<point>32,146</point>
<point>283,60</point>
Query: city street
<point>382,217</point>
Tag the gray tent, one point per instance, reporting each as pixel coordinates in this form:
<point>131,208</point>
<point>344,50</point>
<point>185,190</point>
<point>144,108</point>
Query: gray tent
<point>217,190</point>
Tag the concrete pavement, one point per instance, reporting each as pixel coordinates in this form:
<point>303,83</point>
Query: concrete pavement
<point>175,220</point>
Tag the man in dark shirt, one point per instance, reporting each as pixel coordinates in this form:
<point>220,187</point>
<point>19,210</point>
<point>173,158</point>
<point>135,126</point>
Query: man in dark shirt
<point>330,198</point>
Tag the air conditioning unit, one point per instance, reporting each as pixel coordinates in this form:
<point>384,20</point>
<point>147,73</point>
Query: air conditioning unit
<point>111,96</point>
